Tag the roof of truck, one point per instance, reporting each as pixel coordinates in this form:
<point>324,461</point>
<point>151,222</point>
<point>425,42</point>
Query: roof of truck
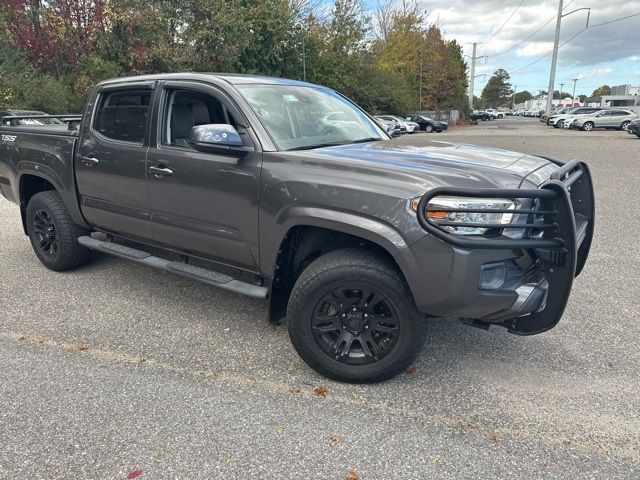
<point>230,78</point>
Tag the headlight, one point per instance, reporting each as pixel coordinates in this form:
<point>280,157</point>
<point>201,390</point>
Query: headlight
<point>474,216</point>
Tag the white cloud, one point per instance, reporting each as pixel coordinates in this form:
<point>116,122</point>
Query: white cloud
<point>473,20</point>
<point>595,72</point>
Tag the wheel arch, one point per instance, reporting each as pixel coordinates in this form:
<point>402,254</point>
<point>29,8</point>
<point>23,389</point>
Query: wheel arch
<point>307,234</point>
<point>30,183</point>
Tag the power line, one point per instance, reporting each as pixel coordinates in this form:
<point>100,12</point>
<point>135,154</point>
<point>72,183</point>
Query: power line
<point>612,21</point>
<point>567,41</point>
<point>546,55</point>
<point>505,22</point>
<point>530,36</point>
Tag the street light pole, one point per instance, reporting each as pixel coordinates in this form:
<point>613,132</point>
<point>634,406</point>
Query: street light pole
<point>573,96</point>
<point>554,58</point>
<point>513,99</point>
<point>561,88</point>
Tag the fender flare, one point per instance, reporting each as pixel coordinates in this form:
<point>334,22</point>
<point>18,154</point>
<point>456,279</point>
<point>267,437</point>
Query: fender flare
<point>371,229</point>
<point>50,175</point>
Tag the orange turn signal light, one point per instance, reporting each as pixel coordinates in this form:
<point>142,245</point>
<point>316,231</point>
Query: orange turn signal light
<point>437,215</point>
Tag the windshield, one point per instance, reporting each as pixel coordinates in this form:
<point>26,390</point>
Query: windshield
<point>301,117</point>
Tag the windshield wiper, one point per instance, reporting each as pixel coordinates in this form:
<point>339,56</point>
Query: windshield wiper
<point>334,144</point>
<point>368,139</point>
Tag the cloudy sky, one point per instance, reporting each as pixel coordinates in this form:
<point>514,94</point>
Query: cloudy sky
<point>605,54</point>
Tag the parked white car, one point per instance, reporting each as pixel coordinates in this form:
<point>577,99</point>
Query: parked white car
<point>405,125</point>
<point>494,113</point>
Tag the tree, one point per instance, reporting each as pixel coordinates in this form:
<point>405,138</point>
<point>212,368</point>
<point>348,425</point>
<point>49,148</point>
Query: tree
<point>52,52</point>
<point>520,97</point>
<point>558,95</point>
<point>405,43</point>
<point>497,90</point>
<point>603,90</point>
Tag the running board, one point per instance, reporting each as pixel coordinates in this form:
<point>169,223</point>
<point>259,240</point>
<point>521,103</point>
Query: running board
<point>204,275</point>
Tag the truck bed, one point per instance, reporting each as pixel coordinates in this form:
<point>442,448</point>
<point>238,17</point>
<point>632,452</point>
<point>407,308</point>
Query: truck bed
<point>44,151</point>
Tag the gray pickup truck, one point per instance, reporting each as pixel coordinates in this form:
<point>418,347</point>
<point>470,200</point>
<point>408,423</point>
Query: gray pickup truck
<point>287,191</point>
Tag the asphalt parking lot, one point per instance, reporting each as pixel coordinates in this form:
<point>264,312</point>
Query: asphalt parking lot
<point>118,370</point>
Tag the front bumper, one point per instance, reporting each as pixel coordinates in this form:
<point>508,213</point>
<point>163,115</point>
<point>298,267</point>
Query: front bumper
<point>522,284</point>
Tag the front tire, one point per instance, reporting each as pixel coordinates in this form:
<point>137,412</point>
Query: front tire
<point>53,235</point>
<point>588,126</point>
<point>428,128</point>
<point>352,317</point>
<point>625,125</point>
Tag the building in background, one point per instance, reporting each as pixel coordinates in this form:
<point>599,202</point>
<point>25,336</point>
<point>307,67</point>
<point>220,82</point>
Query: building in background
<point>622,96</point>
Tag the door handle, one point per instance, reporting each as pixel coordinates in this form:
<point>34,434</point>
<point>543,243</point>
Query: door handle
<point>160,171</point>
<point>89,160</point>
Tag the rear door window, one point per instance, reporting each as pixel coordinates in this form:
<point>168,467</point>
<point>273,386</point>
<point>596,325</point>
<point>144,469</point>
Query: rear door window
<point>123,115</point>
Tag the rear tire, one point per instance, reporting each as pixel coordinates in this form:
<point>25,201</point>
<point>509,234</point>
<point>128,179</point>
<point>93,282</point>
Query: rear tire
<point>53,235</point>
<point>428,128</point>
<point>625,125</point>
<point>352,317</point>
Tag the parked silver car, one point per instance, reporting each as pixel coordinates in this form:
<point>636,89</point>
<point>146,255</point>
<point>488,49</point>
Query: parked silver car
<point>558,120</point>
<point>612,118</point>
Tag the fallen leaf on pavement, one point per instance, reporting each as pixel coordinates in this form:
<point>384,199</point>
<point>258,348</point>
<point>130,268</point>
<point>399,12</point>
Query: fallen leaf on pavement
<point>321,391</point>
<point>335,438</point>
<point>494,438</point>
<point>411,370</point>
<point>280,430</point>
<point>134,474</point>
<point>352,476</point>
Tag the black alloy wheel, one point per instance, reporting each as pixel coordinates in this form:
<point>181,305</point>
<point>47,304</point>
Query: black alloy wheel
<point>53,233</point>
<point>355,326</point>
<point>44,229</point>
<point>352,318</point>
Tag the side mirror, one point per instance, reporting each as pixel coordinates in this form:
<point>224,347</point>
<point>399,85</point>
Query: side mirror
<point>216,138</point>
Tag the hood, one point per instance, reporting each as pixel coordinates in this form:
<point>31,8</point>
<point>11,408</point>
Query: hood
<point>390,166</point>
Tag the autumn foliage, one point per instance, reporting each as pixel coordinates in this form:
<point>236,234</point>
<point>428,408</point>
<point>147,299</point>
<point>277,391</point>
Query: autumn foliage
<point>52,52</point>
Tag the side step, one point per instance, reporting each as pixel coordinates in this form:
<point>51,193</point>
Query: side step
<point>204,275</point>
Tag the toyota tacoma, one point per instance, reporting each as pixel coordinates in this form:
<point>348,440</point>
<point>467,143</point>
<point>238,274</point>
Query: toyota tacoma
<point>289,192</point>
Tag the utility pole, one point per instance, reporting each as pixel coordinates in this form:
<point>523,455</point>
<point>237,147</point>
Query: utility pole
<point>420,83</point>
<point>554,59</point>
<point>573,95</point>
<point>561,88</point>
<point>473,72</point>
<point>513,99</point>
<point>304,60</point>
<point>473,75</point>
